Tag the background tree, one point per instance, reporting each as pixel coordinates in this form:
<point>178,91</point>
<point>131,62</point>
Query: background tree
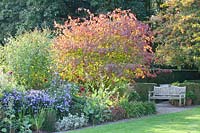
<point>139,7</point>
<point>17,16</point>
<point>178,33</point>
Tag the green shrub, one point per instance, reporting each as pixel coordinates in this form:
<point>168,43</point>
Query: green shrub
<point>191,87</point>
<point>150,108</point>
<point>28,58</point>
<point>143,89</point>
<point>137,109</point>
<point>133,96</point>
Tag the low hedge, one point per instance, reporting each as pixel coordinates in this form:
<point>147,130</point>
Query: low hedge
<point>143,89</point>
<point>138,109</point>
<point>192,81</point>
<point>174,76</point>
<point>194,87</point>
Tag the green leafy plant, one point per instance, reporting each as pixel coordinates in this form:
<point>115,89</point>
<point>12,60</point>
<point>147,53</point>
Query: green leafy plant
<point>150,108</point>
<point>39,120</point>
<point>137,109</point>
<point>50,120</point>
<point>96,111</point>
<point>28,58</point>
<point>190,95</point>
<point>142,89</point>
<point>7,124</point>
<point>99,99</point>
<point>14,121</point>
<point>77,103</point>
<point>24,123</point>
<point>133,96</point>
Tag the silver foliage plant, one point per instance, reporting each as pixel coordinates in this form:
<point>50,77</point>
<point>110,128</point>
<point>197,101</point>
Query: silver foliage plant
<point>71,122</point>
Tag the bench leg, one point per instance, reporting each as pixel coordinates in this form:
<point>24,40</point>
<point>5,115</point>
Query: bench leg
<point>184,102</point>
<point>149,99</point>
<point>180,102</point>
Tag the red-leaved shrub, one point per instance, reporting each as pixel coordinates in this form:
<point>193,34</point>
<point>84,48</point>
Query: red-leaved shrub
<point>118,113</point>
<point>112,45</point>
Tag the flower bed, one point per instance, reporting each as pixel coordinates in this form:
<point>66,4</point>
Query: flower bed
<point>77,79</point>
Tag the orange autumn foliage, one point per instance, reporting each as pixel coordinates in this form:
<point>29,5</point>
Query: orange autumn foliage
<point>113,45</point>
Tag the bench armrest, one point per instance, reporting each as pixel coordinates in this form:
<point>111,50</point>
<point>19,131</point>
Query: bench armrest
<point>182,93</point>
<point>151,92</point>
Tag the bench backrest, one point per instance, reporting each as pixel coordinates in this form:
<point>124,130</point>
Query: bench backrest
<point>171,90</point>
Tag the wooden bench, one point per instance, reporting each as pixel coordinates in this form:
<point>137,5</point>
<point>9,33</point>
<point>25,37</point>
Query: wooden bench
<point>168,92</point>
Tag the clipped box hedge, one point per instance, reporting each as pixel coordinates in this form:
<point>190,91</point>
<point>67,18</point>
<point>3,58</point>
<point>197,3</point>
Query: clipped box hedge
<point>175,76</point>
<point>194,87</point>
<point>143,89</point>
<point>193,81</point>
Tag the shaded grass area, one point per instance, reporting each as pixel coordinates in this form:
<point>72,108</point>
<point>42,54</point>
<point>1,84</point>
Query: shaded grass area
<point>182,122</point>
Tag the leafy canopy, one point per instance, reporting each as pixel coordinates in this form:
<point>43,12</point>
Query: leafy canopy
<point>178,33</point>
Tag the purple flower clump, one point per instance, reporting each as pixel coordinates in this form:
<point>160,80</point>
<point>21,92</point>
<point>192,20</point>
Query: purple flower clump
<point>34,100</point>
<point>62,99</point>
<point>16,97</point>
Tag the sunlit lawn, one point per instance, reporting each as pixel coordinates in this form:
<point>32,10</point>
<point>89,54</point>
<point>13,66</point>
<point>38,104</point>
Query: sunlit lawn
<point>182,122</point>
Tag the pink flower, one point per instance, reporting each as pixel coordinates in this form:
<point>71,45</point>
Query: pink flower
<point>10,72</point>
<point>82,89</point>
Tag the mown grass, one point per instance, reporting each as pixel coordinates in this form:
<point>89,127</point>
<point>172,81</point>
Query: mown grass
<point>182,122</point>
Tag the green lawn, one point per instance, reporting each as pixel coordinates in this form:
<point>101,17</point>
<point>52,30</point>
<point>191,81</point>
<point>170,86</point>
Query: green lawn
<point>183,122</point>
